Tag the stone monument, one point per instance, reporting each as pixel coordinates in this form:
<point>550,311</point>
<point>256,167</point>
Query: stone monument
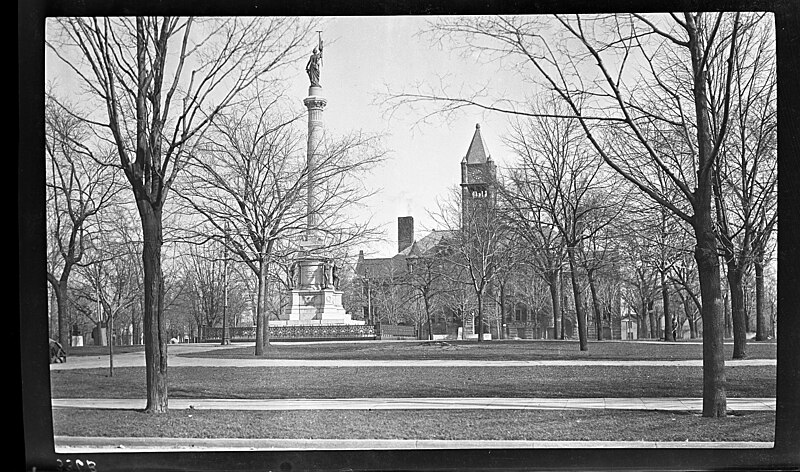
<point>314,277</point>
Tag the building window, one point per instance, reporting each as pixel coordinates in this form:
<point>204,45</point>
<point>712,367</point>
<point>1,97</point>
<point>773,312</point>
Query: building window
<point>479,193</point>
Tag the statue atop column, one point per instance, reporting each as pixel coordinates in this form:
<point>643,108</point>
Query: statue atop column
<point>315,63</point>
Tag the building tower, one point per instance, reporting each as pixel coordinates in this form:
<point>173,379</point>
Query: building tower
<point>478,178</point>
<point>478,202</point>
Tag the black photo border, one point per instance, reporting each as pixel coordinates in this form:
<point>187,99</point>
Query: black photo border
<point>36,418</point>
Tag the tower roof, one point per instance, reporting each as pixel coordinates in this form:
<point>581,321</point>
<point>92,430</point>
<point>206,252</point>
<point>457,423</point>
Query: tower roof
<point>477,152</point>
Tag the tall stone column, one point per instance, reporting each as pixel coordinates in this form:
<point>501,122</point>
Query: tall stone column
<point>313,276</point>
<point>315,103</point>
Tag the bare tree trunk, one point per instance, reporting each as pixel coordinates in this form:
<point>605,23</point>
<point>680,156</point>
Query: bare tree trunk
<point>502,310</point>
<point>668,335</point>
<point>428,316</point>
<point>735,278</point>
<point>714,398</point>
<point>728,323</point>
<point>580,313</point>
<point>643,325</point>
<point>598,320</point>
<point>137,326</point>
<point>553,279</point>
<point>761,315</point>
<point>262,321</point>
<point>60,290</point>
<point>52,310</point>
<point>687,310</point>
<point>110,335</point>
<point>479,293</point>
<point>651,315</point>
<point>563,294</point>
<point>748,323</point>
<point>155,343</point>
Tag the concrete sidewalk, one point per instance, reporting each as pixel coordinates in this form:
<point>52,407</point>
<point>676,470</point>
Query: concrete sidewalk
<point>76,445</point>
<point>434,403</point>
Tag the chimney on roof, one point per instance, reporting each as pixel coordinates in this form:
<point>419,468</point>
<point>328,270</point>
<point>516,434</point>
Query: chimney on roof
<point>405,232</point>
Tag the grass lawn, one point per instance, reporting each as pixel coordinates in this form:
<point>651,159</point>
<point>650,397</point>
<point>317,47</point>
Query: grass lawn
<point>543,425</point>
<point>344,382</point>
<point>491,350</point>
<point>87,351</point>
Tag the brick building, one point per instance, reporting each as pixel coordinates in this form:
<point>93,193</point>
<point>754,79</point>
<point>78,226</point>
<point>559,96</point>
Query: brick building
<point>505,307</point>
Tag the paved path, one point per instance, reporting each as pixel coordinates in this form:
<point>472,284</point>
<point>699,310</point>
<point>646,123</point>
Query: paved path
<point>77,445</point>
<point>136,359</point>
<point>433,403</point>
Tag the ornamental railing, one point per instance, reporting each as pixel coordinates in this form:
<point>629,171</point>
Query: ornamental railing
<point>293,333</point>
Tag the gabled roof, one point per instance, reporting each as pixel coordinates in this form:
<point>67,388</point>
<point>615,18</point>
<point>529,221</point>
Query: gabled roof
<point>382,267</point>
<point>426,245</point>
<point>477,152</point>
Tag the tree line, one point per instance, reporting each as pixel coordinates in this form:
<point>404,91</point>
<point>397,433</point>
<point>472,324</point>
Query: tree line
<point>680,106</point>
<point>645,154</point>
<point>183,126</point>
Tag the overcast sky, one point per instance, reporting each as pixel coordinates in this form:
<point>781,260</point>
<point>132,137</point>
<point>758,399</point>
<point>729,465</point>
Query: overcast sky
<point>365,55</point>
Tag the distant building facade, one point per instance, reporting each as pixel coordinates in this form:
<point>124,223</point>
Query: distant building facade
<point>505,307</point>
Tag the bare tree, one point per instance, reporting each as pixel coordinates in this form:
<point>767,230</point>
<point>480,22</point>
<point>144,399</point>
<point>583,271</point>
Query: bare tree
<point>525,216</point>
<point>425,277</point>
<point>116,287</point>
<point>586,60</point>
<point>684,277</point>
<point>576,197</point>
<point>476,242</point>
<point>391,294</point>
<point>641,280</point>
<point>249,182</point>
<point>512,264</point>
<point>458,296</point>
<point>745,181</point>
<point>160,82</point>
<point>78,189</point>
<point>205,278</point>
<point>598,253</point>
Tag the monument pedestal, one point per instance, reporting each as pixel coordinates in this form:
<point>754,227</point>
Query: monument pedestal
<point>315,298</point>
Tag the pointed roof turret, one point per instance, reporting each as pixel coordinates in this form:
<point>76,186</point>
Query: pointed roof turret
<point>477,152</point>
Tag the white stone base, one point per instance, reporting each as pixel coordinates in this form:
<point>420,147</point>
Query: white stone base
<point>310,307</point>
<point>314,300</point>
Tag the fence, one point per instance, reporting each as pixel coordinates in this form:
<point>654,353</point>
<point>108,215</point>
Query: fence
<point>312,333</point>
<point>396,332</point>
<point>293,333</point>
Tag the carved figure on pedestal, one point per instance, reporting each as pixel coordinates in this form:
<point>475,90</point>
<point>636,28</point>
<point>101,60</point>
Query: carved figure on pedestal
<point>292,275</point>
<point>335,271</point>
<point>326,274</point>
